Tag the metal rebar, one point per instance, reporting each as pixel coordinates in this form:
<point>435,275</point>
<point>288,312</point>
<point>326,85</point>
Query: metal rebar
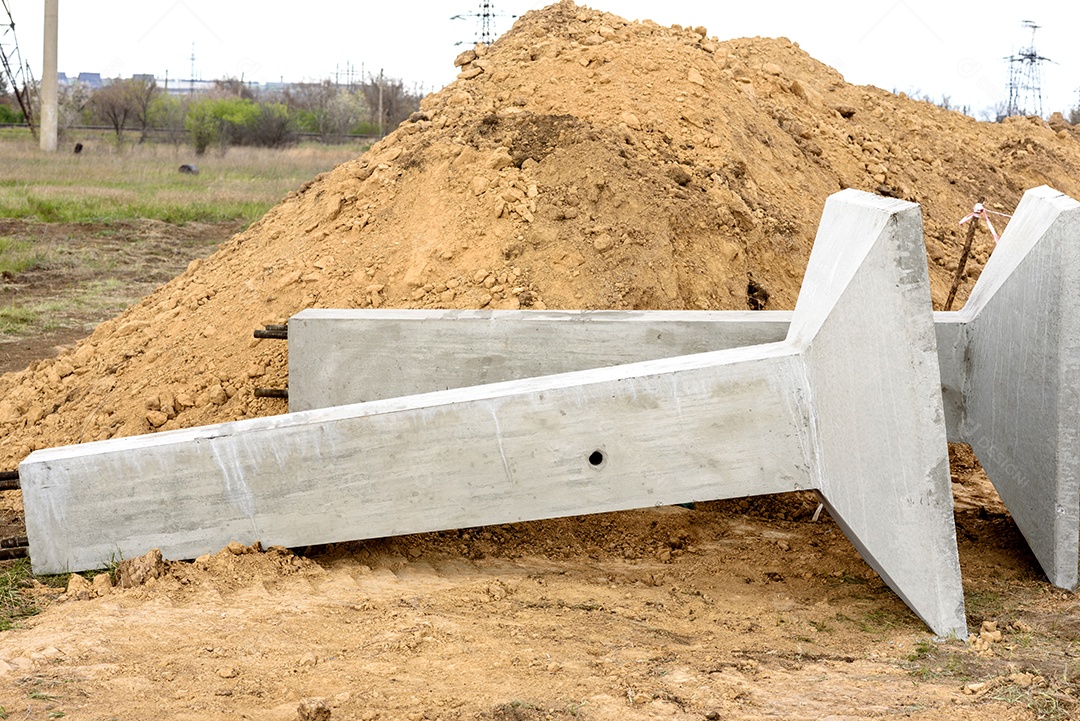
<point>9,553</point>
<point>275,333</point>
<point>9,480</point>
<point>14,542</point>
<point>272,393</point>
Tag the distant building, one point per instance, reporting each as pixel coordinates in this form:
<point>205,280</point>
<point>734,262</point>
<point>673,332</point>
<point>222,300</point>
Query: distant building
<point>143,77</point>
<point>92,80</point>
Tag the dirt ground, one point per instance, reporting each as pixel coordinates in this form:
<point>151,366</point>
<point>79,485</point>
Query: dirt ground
<point>733,610</point>
<point>93,271</point>
<point>582,161</point>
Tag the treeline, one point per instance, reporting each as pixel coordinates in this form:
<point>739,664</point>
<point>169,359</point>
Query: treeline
<point>233,113</point>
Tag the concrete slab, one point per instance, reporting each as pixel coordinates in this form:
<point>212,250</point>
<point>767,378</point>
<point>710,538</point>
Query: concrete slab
<point>843,406</point>
<point>1007,362</point>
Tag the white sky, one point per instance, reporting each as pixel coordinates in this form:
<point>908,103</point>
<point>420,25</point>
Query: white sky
<point>950,48</point>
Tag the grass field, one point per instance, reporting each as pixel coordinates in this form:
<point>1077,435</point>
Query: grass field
<point>105,183</point>
<point>79,239</point>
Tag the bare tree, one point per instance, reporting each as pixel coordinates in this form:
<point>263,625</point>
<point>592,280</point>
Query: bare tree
<point>311,102</point>
<point>142,89</point>
<point>124,102</point>
<point>112,104</point>
<point>395,102</point>
<point>232,88</point>
<point>74,101</point>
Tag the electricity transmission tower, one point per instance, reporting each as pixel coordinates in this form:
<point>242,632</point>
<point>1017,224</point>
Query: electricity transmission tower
<point>1025,78</point>
<point>485,17</point>
<point>18,73</point>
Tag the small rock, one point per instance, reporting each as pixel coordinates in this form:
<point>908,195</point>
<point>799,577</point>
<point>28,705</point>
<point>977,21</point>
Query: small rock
<point>695,77</point>
<point>308,659</point>
<point>236,548</point>
<point>217,394</point>
<point>137,571</point>
<point>679,174</point>
<point>470,72</point>
<point>603,243</point>
<point>845,111</point>
<point>102,584</point>
<point>228,672</point>
<point>478,185</point>
<point>464,58</point>
<point>1023,680</point>
<point>64,369</point>
<point>500,159</point>
<point>630,120</point>
<point>772,69</point>
<point>313,709</point>
<point>79,588</point>
<point>156,419</point>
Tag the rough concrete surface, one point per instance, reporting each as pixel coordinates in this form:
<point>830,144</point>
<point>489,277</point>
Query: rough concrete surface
<point>759,419</point>
<point>1008,380</point>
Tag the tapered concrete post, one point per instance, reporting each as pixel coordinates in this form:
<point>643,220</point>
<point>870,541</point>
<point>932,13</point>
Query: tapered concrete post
<point>1021,384</point>
<point>49,82</point>
<point>1005,359</point>
<point>842,405</point>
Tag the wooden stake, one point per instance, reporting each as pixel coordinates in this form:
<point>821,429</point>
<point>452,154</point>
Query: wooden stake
<point>963,259</point>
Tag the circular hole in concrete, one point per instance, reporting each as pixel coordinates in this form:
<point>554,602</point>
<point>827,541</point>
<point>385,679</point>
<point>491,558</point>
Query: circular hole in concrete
<point>597,458</point>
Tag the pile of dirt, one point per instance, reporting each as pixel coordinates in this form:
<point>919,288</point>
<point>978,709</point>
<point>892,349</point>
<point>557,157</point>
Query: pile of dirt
<point>581,161</point>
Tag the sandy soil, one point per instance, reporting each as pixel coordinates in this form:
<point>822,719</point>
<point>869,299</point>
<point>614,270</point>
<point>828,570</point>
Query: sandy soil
<point>580,162</point>
<point>725,611</point>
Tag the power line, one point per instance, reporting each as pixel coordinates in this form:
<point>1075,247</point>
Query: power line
<point>16,71</point>
<point>485,16</point>
<point>1025,78</point>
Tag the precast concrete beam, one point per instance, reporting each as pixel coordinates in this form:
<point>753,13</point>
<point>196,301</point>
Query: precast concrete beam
<point>1021,376</point>
<point>843,406</point>
<point>1007,362</point>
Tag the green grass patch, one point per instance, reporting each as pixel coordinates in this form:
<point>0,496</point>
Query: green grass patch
<point>14,319</point>
<point>15,603</point>
<point>19,256</point>
<point>105,183</point>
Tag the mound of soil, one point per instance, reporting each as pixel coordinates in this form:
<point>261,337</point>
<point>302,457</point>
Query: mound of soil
<point>581,161</point>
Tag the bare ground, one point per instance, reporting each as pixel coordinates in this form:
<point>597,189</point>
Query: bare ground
<point>732,610</point>
<point>91,272</point>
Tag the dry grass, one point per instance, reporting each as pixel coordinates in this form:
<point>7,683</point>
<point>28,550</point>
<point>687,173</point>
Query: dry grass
<point>105,182</point>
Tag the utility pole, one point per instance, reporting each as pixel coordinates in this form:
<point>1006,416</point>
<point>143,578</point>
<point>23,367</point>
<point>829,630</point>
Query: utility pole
<point>381,119</point>
<point>1025,78</point>
<point>50,95</point>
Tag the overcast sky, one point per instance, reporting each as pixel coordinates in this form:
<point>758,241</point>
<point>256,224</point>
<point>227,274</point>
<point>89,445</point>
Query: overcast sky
<point>938,48</point>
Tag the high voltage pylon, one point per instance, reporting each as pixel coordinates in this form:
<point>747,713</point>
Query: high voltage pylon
<point>1025,78</point>
<point>485,17</point>
<point>16,71</point>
